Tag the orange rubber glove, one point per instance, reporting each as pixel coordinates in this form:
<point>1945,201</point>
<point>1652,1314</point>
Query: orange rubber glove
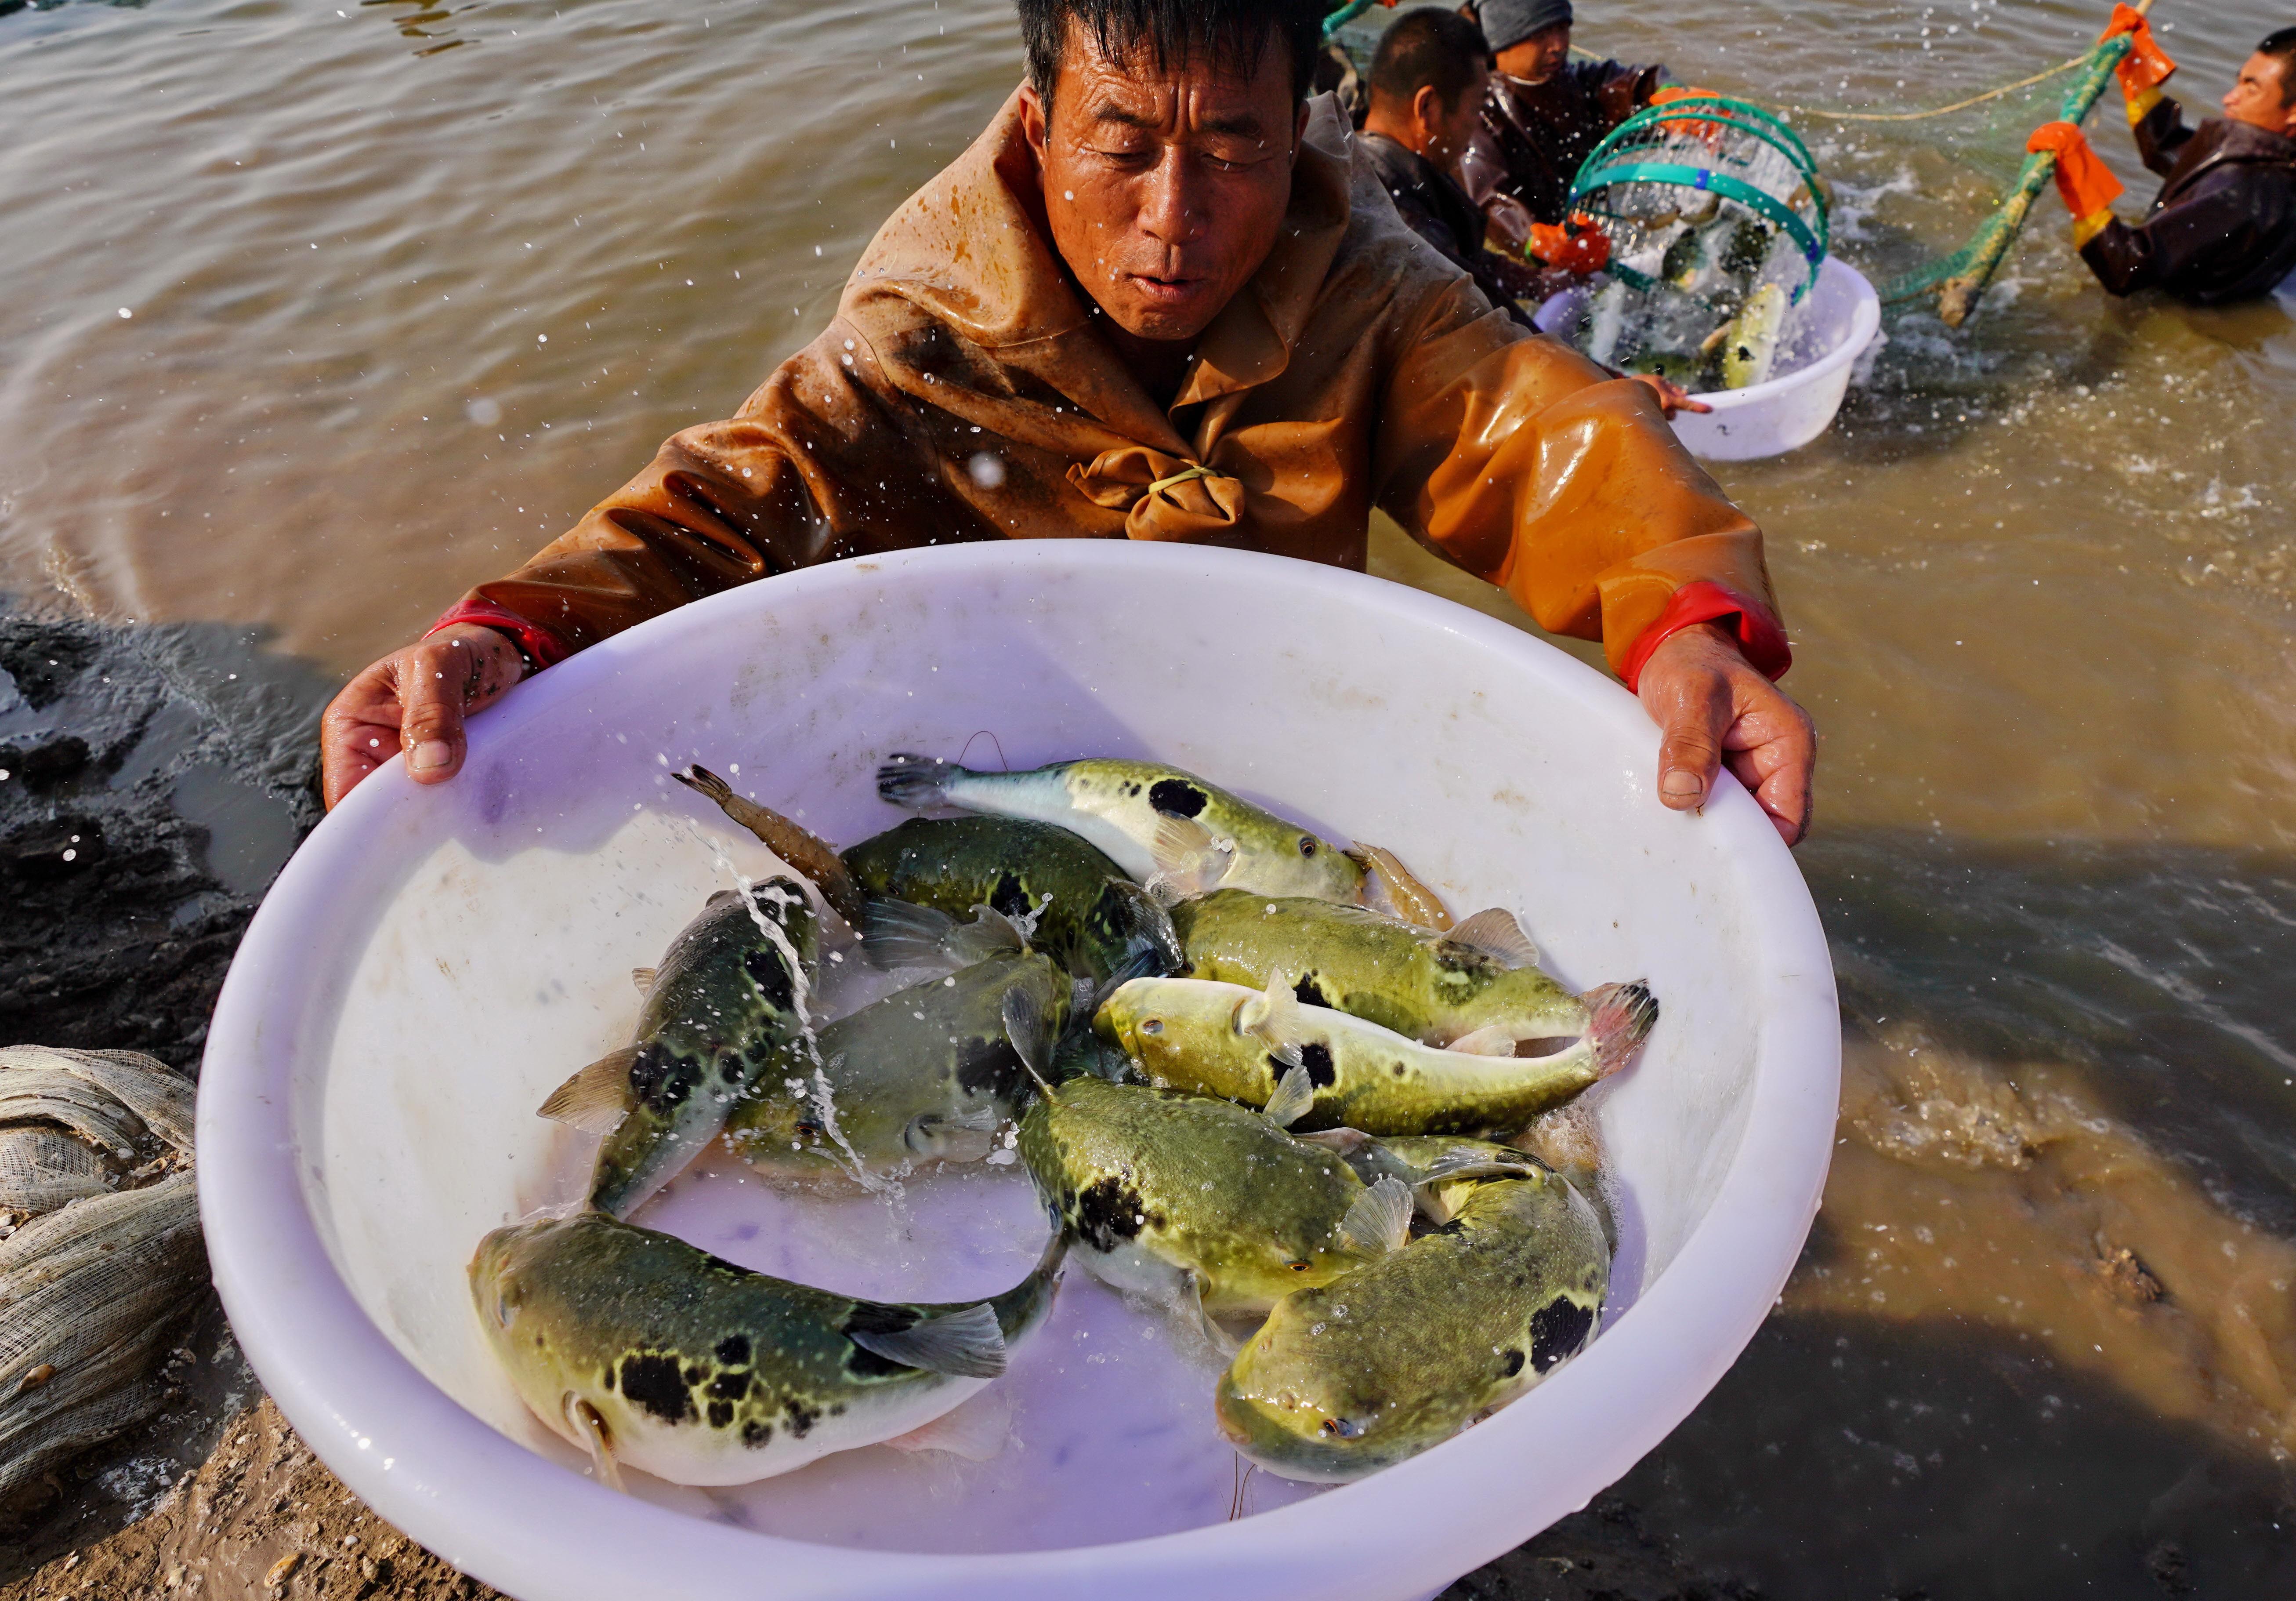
<point>1674,92</point>
<point>2146,66</point>
<point>1578,245</point>
<point>2089,189</point>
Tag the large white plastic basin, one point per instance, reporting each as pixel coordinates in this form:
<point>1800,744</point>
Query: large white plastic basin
<point>1831,329</point>
<point>433,960</point>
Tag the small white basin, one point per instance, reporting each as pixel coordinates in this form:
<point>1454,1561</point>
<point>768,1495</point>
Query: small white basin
<point>1825,335</point>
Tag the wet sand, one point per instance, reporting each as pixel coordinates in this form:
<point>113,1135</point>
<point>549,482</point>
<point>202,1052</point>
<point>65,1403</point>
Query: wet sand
<point>408,288</point>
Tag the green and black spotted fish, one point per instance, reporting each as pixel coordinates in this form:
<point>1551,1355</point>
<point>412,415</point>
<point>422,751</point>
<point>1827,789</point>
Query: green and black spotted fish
<point>1241,1044</point>
<point>648,1353</point>
<point>727,1001</point>
<point>1087,916</point>
<point>1177,1195</point>
<point>1402,1353</point>
<point>1477,982</point>
<point>929,1073</point>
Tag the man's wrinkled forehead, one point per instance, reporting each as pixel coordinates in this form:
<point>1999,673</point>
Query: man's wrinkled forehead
<point>1125,84</point>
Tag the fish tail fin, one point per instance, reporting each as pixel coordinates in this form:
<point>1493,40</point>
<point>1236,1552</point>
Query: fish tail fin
<point>1030,1030</point>
<point>1145,922</point>
<point>894,933</point>
<point>962,1342</point>
<point>596,1099</point>
<point>596,1438</point>
<point>1623,1016</point>
<point>918,783</point>
<point>1379,1221</point>
<point>1412,900</point>
<point>1143,964</point>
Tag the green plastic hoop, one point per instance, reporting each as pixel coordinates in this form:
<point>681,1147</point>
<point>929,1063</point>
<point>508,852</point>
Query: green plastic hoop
<point>1720,108</point>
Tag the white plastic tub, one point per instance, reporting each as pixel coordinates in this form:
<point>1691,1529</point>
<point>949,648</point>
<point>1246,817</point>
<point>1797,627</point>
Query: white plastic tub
<point>1824,337</point>
<point>434,961</point>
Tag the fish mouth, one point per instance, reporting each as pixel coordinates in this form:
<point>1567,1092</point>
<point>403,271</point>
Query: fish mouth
<point>1259,1436</point>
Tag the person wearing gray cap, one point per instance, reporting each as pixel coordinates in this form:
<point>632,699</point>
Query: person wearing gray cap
<point>1542,117</point>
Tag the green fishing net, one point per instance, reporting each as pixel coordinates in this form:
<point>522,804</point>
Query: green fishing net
<point>1717,221</point>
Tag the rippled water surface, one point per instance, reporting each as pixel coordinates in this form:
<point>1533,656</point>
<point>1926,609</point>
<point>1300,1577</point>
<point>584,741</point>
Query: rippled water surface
<point>315,315</point>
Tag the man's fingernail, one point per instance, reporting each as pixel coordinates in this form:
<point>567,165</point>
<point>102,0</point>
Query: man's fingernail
<point>1680,786</point>
<point>431,753</point>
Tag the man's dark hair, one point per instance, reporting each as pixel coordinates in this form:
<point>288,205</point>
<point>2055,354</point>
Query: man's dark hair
<point>1428,48</point>
<point>1228,34</point>
<point>2280,47</point>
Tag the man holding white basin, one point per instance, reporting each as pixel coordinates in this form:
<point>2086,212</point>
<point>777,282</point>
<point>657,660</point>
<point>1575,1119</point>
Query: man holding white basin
<point>1165,297</point>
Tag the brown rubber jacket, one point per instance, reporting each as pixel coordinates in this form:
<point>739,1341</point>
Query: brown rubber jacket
<point>2224,225</point>
<point>963,393</point>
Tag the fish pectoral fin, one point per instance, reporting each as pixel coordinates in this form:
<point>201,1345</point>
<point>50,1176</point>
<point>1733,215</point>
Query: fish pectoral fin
<point>990,933</point>
<point>961,1137</point>
<point>1295,1094</point>
<point>1495,933</point>
<point>1412,900</point>
<point>1379,1221</point>
<point>1273,1014</point>
<point>895,934</point>
<point>1189,857</point>
<point>964,1343</point>
<point>1492,1039</point>
<point>1192,1294</point>
<point>1339,1142</point>
<point>976,1429</point>
<point>596,1099</point>
<point>643,978</point>
<point>1029,1028</point>
<point>591,1430</point>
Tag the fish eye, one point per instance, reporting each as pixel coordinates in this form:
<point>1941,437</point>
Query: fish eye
<point>1339,1428</point>
<point>1298,1267</point>
<point>1307,844</point>
<point>1155,1025</point>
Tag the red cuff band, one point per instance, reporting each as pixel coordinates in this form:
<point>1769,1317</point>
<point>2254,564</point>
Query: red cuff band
<point>1760,640</point>
<point>542,648</point>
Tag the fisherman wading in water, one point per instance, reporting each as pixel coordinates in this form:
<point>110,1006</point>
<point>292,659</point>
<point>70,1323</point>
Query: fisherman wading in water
<point>1164,297</point>
<point>1542,117</point>
<point>2224,225</point>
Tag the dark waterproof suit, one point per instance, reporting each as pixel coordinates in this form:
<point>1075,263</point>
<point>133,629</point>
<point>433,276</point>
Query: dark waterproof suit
<point>2224,226</point>
<point>1434,206</point>
<point>1530,140</point>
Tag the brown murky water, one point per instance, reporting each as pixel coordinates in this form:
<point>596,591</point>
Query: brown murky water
<point>405,288</point>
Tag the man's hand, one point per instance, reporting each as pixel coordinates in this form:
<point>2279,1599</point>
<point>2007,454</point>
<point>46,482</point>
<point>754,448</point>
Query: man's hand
<point>414,701</point>
<point>1672,397</point>
<point>1712,707</point>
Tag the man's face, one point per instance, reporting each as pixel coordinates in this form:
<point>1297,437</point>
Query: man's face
<point>1164,189</point>
<point>1539,57</point>
<point>2258,98</point>
<point>1448,132</point>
